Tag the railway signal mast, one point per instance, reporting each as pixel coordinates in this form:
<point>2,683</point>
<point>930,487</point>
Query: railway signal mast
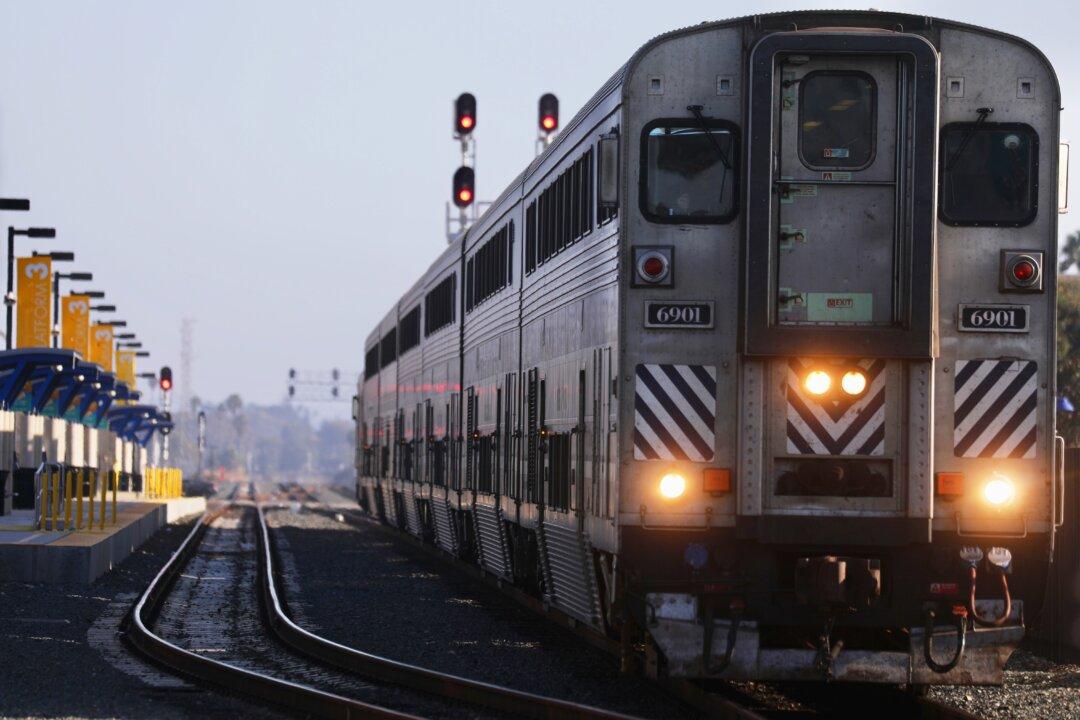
<point>464,185</point>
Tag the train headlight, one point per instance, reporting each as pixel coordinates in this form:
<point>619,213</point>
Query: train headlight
<point>999,491</point>
<point>817,382</point>
<point>672,485</point>
<point>854,382</point>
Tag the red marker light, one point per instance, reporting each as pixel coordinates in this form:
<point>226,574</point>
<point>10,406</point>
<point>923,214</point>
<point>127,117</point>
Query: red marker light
<point>166,384</point>
<point>465,195</point>
<point>466,122</point>
<point>1023,271</point>
<point>653,267</point>
<point>548,122</point>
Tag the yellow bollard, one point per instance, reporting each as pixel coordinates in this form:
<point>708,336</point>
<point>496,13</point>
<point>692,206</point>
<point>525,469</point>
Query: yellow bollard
<point>115,482</point>
<point>104,498</point>
<point>67,499</point>
<point>80,478</point>
<point>54,484</point>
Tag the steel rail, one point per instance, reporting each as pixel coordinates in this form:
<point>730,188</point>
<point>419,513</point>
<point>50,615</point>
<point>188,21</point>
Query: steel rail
<point>221,674</point>
<point>475,692</point>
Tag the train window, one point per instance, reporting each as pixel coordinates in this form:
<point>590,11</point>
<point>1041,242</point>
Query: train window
<point>490,269</point>
<point>371,362</point>
<point>409,330</point>
<point>837,119</point>
<point>989,173</point>
<point>561,215</point>
<point>689,171</point>
<point>388,348</point>
<point>439,305</point>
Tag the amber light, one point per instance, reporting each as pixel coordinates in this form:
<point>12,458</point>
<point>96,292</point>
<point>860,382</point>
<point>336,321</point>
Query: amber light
<point>817,382</point>
<point>950,484</point>
<point>717,480</point>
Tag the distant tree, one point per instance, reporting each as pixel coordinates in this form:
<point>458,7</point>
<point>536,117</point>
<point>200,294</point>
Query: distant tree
<point>1068,354</point>
<point>1070,253</point>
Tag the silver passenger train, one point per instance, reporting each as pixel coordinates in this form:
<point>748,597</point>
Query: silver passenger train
<point>755,364</point>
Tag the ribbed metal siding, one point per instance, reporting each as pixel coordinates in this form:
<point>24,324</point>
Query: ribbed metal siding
<point>494,553</point>
<point>373,500</point>
<point>412,515</point>
<point>445,537</point>
<point>389,511</point>
<point>568,563</point>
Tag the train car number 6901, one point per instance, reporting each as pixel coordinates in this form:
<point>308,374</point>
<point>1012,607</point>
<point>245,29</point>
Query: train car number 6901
<point>678,314</point>
<point>994,318</point>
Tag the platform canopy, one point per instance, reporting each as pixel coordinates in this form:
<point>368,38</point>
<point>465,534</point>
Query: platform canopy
<point>29,377</point>
<point>137,423</point>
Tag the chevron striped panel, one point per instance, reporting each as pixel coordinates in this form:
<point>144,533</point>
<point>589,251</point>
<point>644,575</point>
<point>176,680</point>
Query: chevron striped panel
<point>836,426</point>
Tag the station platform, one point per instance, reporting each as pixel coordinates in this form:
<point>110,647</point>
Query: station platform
<point>80,557</point>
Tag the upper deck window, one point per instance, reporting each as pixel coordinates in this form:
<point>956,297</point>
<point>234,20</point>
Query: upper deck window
<point>837,118</point>
<point>689,173</point>
<point>989,173</point>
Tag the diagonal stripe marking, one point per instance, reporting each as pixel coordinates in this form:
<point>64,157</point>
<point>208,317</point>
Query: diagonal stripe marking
<point>993,409</point>
<point>966,403</point>
<point>653,395</point>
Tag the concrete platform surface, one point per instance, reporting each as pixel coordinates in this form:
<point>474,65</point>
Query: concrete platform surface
<point>83,556</point>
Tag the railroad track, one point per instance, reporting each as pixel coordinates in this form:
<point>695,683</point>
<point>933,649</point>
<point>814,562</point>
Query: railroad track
<point>200,617</point>
<point>721,699</point>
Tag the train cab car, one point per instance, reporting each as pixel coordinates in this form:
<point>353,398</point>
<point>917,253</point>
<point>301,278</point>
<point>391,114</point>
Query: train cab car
<point>758,356</point>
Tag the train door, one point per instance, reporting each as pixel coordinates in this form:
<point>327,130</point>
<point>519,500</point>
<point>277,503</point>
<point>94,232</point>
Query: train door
<point>840,312</point>
<point>837,216</point>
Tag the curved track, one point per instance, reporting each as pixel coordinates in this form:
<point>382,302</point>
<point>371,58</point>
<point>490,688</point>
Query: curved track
<point>314,675</point>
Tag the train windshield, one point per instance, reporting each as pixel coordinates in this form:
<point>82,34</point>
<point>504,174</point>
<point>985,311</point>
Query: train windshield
<point>689,172</point>
<point>989,174</point>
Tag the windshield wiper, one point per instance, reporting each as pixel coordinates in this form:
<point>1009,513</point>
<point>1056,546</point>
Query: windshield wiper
<point>984,112</point>
<point>695,110</point>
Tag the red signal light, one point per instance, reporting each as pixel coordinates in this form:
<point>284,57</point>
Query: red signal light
<point>465,114</point>
<point>165,378</point>
<point>549,113</point>
<point>464,187</point>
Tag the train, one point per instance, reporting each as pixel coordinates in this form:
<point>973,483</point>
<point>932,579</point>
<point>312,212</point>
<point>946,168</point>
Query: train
<point>753,367</point>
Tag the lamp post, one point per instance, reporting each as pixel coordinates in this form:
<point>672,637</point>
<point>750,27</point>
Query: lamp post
<point>57,277</point>
<point>9,298</point>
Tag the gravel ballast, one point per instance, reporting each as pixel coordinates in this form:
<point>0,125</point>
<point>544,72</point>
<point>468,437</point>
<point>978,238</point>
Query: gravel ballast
<point>361,587</point>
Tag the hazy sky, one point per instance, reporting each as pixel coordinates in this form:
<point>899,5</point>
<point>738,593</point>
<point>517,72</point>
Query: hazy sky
<point>278,170</point>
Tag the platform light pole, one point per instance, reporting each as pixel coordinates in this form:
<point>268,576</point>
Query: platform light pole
<point>9,298</point>
<point>12,205</point>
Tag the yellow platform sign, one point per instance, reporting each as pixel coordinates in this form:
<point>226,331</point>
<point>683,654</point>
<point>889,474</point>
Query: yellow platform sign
<point>33,302</point>
<point>101,345</point>
<point>75,324</point>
